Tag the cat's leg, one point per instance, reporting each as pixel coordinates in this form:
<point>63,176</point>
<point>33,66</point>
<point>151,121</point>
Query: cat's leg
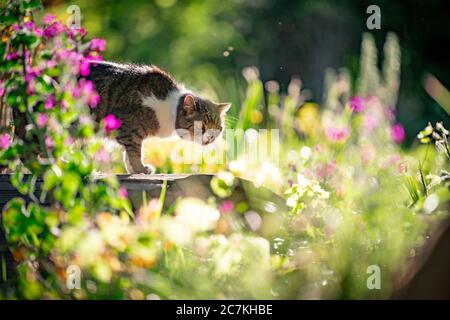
<point>136,126</point>
<point>133,161</point>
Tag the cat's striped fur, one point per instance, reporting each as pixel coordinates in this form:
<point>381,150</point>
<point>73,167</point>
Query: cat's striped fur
<point>149,102</point>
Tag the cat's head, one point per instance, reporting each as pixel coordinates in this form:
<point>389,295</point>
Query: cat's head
<point>200,119</point>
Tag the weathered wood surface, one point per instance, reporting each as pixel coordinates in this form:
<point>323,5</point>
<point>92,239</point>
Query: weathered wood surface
<point>428,273</point>
<point>258,199</point>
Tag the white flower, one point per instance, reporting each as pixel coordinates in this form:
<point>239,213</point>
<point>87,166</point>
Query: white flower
<point>197,214</point>
<point>305,152</point>
<point>302,181</point>
<point>431,203</point>
<point>292,201</point>
<point>226,177</point>
<point>237,166</point>
<point>177,232</point>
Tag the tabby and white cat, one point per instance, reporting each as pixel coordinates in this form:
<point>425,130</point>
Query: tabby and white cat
<point>150,103</point>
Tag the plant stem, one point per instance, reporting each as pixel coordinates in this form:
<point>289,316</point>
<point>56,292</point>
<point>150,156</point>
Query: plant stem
<point>28,110</point>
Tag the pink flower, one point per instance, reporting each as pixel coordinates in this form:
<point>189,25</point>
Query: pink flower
<point>2,89</point>
<point>49,19</point>
<point>82,31</point>
<point>389,113</point>
<point>85,87</point>
<point>94,56</point>
<point>97,44</point>
<point>11,56</point>
<point>16,27</point>
<point>357,104</point>
<point>102,155</point>
<point>50,102</point>
<point>30,87</point>
<point>398,133</point>
<point>85,68</point>
<point>69,141</point>
<point>4,141</point>
<point>74,32</point>
<point>112,123</point>
<point>325,171</point>
<point>28,56</point>
<point>337,134</point>
<point>66,54</point>
<point>94,100</point>
<point>41,120</point>
<point>51,64</point>
<point>370,122</point>
<point>53,30</point>
<point>49,142</point>
<point>123,193</point>
<point>33,74</point>
<point>367,154</point>
<point>39,32</point>
<point>29,25</point>
<point>227,206</point>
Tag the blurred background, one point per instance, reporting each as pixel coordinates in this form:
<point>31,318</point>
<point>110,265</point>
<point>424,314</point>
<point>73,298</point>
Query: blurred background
<point>206,44</point>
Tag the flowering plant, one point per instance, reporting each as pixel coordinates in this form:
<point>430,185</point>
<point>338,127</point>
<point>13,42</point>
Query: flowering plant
<point>41,65</point>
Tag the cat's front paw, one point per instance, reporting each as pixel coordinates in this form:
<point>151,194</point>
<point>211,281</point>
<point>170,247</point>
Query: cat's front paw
<point>148,170</point>
<point>141,170</point>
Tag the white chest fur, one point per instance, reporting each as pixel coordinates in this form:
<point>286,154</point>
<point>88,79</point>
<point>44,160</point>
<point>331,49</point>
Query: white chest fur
<point>166,111</point>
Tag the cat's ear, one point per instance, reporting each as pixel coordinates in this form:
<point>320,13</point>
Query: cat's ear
<point>223,107</point>
<point>189,104</point>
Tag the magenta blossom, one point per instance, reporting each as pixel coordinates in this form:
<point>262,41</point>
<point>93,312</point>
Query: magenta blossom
<point>53,30</point>
<point>49,19</point>
<point>102,155</point>
<point>29,25</point>
<point>12,56</point>
<point>30,87</point>
<point>51,64</point>
<point>4,141</point>
<point>66,54</point>
<point>2,89</point>
<point>123,193</point>
<point>97,44</point>
<point>50,102</point>
<point>94,56</point>
<point>227,206</point>
<point>337,134</point>
<point>33,73</point>
<point>85,87</point>
<point>325,171</point>
<point>398,133</point>
<point>357,104</point>
<point>85,68</point>
<point>370,122</point>
<point>112,123</point>
<point>74,32</point>
<point>39,32</point>
<point>49,142</point>
<point>94,100</point>
<point>41,120</point>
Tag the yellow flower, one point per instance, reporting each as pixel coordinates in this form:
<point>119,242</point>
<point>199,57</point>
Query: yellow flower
<point>308,118</point>
<point>256,116</point>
